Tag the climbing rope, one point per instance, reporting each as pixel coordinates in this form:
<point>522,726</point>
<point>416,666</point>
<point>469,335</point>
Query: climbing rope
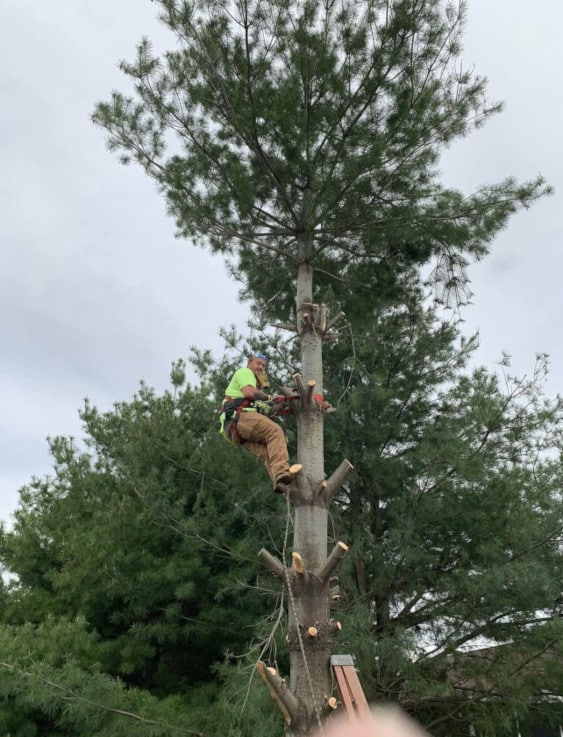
<point>302,646</point>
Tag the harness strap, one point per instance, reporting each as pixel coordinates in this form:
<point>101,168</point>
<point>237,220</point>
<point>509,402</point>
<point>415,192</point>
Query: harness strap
<point>232,433</point>
<point>238,405</point>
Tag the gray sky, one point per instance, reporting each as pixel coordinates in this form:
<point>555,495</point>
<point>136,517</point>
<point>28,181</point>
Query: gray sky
<point>95,292</point>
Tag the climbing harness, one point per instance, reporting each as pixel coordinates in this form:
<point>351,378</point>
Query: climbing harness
<point>232,409</point>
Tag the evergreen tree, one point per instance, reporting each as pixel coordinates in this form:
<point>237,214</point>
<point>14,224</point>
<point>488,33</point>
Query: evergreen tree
<point>142,546</point>
<point>301,140</point>
<point>291,133</point>
<point>454,519</point>
<point>128,568</point>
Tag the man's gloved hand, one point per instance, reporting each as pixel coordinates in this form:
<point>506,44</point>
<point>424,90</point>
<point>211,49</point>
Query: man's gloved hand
<point>263,407</point>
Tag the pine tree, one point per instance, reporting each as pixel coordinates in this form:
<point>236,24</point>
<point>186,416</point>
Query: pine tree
<point>301,140</point>
<point>141,550</point>
<point>454,520</point>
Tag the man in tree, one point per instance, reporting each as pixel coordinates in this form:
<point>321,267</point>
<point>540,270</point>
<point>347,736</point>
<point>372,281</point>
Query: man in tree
<point>244,421</point>
<point>343,200</point>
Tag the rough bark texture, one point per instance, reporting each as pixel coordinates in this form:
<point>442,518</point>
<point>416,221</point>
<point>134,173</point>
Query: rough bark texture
<point>308,581</point>
<point>309,598</point>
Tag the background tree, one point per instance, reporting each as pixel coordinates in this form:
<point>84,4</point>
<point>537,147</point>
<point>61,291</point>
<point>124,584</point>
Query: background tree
<point>143,546</point>
<point>345,187</point>
<point>137,559</point>
<point>350,178</point>
<point>454,518</point>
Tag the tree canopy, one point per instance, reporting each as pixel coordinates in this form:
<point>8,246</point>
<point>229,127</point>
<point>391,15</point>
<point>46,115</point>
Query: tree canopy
<point>284,133</point>
<point>453,515</point>
<point>137,559</point>
<point>302,139</point>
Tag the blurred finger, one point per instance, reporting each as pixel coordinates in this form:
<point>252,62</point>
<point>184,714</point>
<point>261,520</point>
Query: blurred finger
<point>385,721</point>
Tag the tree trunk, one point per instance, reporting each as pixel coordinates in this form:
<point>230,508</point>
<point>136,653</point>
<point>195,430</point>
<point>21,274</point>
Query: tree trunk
<point>307,582</point>
<point>309,597</point>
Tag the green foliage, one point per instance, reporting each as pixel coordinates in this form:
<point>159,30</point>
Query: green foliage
<point>453,516</point>
<point>138,588</point>
<point>310,133</point>
<point>48,677</point>
<point>149,535</point>
<point>301,135</point>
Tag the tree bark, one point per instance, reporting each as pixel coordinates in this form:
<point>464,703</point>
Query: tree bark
<point>308,580</point>
<point>309,597</point>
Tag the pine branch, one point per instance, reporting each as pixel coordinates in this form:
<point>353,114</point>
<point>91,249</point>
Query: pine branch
<point>71,695</point>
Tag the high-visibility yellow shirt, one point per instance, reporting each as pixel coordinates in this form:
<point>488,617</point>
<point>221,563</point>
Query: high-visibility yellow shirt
<point>241,378</point>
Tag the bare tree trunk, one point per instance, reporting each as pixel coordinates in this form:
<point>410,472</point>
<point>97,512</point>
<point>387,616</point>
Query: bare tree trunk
<point>309,603</point>
<point>307,582</point>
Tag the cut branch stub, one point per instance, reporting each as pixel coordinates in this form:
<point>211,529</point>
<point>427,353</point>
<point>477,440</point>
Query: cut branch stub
<point>298,381</point>
<point>323,319</point>
<point>307,313</point>
<point>295,468</point>
<point>298,564</point>
<point>334,482</point>
<point>273,563</point>
<point>309,393</point>
<point>329,566</point>
<point>330,704</point>
<point>334,320</point>
<point>314,316</point>
<point>286,701</point>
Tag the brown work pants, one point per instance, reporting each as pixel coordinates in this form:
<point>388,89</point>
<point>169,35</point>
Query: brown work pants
<point>265,439</point>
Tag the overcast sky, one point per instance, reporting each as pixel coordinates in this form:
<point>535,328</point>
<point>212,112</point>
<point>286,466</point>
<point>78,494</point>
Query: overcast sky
<point>95,291</point>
